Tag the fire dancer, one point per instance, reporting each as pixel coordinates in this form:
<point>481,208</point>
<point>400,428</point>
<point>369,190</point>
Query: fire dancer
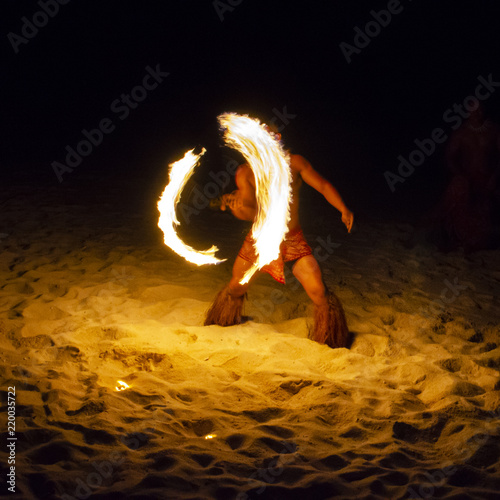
<point>330,325</point>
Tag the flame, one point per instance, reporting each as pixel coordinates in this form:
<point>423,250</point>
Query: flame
<point>210,436</point>
<point>270,165</point>
<point>121,385</point>
<point>179,174</point>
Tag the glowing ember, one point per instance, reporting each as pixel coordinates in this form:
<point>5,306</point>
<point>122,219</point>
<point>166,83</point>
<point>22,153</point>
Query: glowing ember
<point>122,385</point>
<point>210,436</point>
<point>180,172</point>
<point>270,165</point>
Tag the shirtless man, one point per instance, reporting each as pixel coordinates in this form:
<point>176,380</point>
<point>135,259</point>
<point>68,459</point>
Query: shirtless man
<point>467,206</point>
<point>330,325</point>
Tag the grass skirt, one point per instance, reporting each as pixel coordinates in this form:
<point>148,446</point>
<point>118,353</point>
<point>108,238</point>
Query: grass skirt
<point>225,310</point>
<point>330,325</point>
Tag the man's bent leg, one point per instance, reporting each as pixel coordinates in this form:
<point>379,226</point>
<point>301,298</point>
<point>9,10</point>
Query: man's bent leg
<point>330,326</point>
<point>227,307</point>
<point>308,272</point>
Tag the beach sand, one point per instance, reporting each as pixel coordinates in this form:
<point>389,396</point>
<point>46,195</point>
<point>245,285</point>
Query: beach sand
<point>90,296</point>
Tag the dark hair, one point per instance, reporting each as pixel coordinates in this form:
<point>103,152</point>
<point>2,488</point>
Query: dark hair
<point>272,126</point>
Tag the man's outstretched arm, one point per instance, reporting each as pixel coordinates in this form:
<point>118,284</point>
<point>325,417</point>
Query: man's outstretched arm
<point>318,182</point>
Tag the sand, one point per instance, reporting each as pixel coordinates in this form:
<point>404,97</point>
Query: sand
<point>90,296</point>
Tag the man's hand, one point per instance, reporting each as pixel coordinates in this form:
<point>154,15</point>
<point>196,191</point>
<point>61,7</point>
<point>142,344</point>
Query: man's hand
<point>231,201</point>
<point>241,207</point>
<point>347,219</point>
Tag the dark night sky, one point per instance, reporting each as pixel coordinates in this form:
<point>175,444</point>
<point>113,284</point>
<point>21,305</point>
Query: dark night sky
<point>351,120</point>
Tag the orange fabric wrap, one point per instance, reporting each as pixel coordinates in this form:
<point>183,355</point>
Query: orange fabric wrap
<point>293,247</point>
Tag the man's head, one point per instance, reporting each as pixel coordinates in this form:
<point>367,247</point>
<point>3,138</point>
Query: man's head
<point>272,128</point>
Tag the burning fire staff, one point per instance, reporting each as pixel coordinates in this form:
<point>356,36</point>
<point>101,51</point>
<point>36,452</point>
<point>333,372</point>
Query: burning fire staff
<point>330,325</point>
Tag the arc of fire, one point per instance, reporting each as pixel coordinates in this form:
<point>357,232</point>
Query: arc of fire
<point>179,174</point>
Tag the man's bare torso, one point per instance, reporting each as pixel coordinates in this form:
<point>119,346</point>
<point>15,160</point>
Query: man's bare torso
<point>244,176</point>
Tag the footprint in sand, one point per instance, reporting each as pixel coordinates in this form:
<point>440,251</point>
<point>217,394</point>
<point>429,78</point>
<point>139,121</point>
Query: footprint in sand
<point>52,374</point>
<point>487,453</point>
<point>135,440</point>
<point>68,353</point>
<point>59,451</point>
<point>489,346</point>
<point>88,409</point>
<point>363,473</point>
<point>295,386</point>
<point>408,433</point>
<point>203,427</point>
<point>467,390</point>
<point>203,459</point>
<point>476,338</point>
<point>235,441</point>
<point>277,431</point>
<point>161,461</point>
<point>58,290</point>
<point>90,436</point>
<point>33,437</point>
<point>331,462</point>
<point>396,478</point>
<point>264,415</point>
<point>281,447</point>
<point>168,483</point>
<point>144,361</point>
<point>451,364</point>
<point>397,460</point>
<point>355,433</point>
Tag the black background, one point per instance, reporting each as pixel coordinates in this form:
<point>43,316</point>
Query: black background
<point>351,120</point>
